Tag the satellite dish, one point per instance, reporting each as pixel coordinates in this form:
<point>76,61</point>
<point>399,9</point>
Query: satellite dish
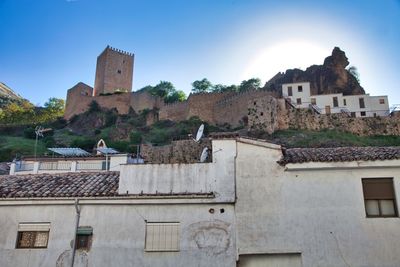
<point>199,134</point>
<point>204,154</point>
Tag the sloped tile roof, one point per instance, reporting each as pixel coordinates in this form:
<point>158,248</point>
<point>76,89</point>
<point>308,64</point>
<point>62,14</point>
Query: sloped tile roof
<point>338,154</point>
<point>78,184</point>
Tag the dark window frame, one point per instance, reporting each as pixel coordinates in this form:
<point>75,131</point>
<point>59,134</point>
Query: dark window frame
<point>335,102</point>
<point>298,101</point>
<point>31,246</point>
<point>300,89</point>
<point>383,180</point>
<point>363,113</point>
<point>87,242</point>
<point>361,102</point>
<point>290,91</point>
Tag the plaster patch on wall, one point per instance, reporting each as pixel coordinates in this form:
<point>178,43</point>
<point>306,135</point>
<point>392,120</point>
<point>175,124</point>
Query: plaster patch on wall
<point>213,237</point>
<point>81,259</point>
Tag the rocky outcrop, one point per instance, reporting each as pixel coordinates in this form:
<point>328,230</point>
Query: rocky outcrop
<point>330,78</point>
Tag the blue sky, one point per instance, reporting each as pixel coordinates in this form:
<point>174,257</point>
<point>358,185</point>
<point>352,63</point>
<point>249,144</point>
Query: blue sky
<point>49,46</point>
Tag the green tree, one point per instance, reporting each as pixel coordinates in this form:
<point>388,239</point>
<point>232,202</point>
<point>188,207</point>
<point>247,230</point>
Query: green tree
<point>201,86</point>
<point>162,89</point>
<point>55,106</point>
<point>253,83</point>
<point>176,96</point>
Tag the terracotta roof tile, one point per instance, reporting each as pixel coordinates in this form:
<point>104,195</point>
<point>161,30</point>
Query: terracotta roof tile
<point>73,184</point>
<point>338,154</point>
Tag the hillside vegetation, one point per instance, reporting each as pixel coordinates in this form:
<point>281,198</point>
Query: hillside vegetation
<point>126,132</point>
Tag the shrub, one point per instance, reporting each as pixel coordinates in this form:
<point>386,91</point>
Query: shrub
<point>135,138</point>
<point>94,106</point>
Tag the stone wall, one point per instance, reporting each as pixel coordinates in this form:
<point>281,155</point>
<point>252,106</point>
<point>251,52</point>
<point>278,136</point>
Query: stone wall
<point>182,151</point>
<point>143,100</point>
<point>202,105</point>
<point>176,111</point>
<point>277,116</point>
<point>78,99</point>
<point>234,109</point>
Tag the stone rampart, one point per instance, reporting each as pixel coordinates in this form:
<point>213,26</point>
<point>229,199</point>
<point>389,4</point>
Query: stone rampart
<point>176,111</point>
<point>233,110</point>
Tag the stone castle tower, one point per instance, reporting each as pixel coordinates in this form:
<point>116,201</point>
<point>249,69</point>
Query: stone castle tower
<point>114,72</point>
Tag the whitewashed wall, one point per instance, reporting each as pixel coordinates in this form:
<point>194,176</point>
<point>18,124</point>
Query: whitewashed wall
<point>319,213</point>
<point>206,239</point>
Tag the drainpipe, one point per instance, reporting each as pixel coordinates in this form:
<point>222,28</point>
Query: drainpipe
<point>78,213</point>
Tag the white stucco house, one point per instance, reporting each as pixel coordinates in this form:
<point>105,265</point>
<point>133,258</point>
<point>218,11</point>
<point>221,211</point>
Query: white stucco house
<point>299,95</point>
<point>255,204</point>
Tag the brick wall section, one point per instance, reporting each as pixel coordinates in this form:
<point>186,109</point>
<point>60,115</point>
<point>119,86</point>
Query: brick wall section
<point>182,151</point>
<point>234,108</point>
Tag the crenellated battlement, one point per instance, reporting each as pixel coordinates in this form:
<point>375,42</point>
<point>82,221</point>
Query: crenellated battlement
<point>119,51</point>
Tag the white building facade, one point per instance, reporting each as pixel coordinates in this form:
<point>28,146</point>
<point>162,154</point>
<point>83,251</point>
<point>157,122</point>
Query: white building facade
<point>299,95</point>
<point>253,205</point>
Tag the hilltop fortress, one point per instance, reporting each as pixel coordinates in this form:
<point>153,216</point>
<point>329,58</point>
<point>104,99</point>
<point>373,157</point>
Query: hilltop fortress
<point>113,89</point>
<point>286,101</point>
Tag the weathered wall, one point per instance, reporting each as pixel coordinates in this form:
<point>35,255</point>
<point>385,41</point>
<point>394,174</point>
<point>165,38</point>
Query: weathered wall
<point>217,177</point>
<point>143,100</point>
<point>319,213</point>
<point>175,111</point>
<point>119,234</point>
<point>263,114</point>
<point>304,119</point>
<point>182,151</point>
<point>234,109</point>
<point>202,105</point>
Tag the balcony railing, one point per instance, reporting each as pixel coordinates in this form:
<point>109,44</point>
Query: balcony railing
<point>55,166</point>
<point>20,167</point>
<point>87,166</point>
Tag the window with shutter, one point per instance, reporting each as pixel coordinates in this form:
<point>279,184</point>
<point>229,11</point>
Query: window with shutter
<point>162,236</point>
<point>379,197</point>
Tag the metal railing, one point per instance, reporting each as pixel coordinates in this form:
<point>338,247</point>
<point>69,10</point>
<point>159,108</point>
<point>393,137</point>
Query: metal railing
<point>315,108</point>
<point>55,166</point>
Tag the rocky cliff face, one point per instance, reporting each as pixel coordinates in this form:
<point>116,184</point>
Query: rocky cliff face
<point>329,78</point>
<point>7,95</point>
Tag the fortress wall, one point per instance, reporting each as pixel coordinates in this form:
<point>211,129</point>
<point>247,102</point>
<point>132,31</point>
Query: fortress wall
<point>78,99</point>
<point>202,105</point>
<point>176,112</point>
<point>234,109</point>
<point>119,101</point>
<point>143,100</point>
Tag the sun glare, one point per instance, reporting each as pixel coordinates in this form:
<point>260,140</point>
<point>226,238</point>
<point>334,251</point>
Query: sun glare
<point>285,55</point>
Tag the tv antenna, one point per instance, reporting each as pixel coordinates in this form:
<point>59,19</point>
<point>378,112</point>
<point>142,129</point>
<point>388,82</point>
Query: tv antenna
<point>204,155</point>
<point>199,134</point>
<point>39,130</point>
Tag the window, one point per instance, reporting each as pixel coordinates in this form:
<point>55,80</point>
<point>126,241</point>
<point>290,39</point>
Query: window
<point>381,101</point>
<point>361,102</point>
<point>335,102</point>
<point>162,236</point>
<point>33,235</point>
<point>84,237</point>
<point>379,197</point>
<point>290,91</point>
<point>362,113</point>
<point>344,102</point>
<point>300,88</point>
<point>298,100</point>
<point>353,114</point>
<point>313,101</point>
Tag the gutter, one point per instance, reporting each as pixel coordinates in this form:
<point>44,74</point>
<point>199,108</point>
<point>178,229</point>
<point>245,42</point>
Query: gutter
<point>78,215</point>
